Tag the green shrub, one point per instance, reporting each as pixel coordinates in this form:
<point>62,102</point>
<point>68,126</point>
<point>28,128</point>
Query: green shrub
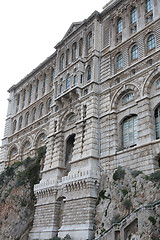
<point>127,204</point>
<point>124,191</point>
<point>119,174</point>
<point>67,237</point>
<point>135,173</point>
<point>28,161</point>
<point>102,231</point>
<point>154,177</point>
<point>152,220</point>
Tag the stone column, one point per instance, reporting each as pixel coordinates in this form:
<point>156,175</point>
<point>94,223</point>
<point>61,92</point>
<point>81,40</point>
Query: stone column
<point>45,225</point>
<point>80,192</point>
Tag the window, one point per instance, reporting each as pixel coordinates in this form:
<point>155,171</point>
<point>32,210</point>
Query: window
<point>52,75</point>
<point>129,131</point>
<point>74,49</point>
<point>133,15</point>
<point>119,25</point>
<point>27,118</point>
<point>119,61</point>
<point>148,5</point>
<point>20,122</point>
<point>61,88</point>
<point>75,80</point>
<point>49,102</point>
<point>24,97</point>
<point>61,62</point>
<point>37,88</point>
<point>44,83</point>
<point>81,79</point>
<point>14,125</point>
<point>41,109</point>
<point>90,40</point>
<point>157,122</point>
<point>80,47</point>
<point>33,114</point>
<point>134,52</point>
<point>158,83</point>
<point>30,93</point>
<point>89,73</point>
<point>18,99</point>
<point>68,81</point>
<point>127,98</point>
<point>67,57</point>
<point>150,42</point>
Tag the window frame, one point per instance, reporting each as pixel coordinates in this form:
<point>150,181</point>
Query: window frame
<point>119,25</point>
<point>68,81</point>
<point>151,43</point>
<point>129,131</point>
<point>133,15</point>
<point>149,6</point>
<point>134,52</point>
<point>119,61</point>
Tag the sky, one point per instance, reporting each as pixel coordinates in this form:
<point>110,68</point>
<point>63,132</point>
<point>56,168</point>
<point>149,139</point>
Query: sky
<point>29,31</point>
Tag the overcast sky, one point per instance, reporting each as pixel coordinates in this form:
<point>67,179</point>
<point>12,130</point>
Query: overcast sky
<point>29,31</point>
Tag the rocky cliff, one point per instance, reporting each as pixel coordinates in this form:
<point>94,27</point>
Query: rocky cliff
<point>128,206</point>
<point>17,198</point>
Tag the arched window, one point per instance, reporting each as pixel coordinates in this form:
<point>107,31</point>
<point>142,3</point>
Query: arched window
<point>148,5</point>
<point>119,61</point>
<point>74,50</point>
<point>129,131</point>
<point>49,102</point>
<point>69,151</point>
<point>128,97</point>
<point>133,15</point>
<point>33,114</point>
<point>157,122</point>
<point>12,153</point>
<point>134,52</point>
<point>41,109</point>
<point>68,81</point>
<point>27,118</point>
<point>119,25</point>
<point>80,47</point>
<point>90,40</point>
<point>61,62</point>
<point>20,122</point>
<point>89,73</point>
<point>67,57</point>
<point>150,42</point>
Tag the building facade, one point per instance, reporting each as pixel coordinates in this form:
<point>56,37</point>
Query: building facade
<point>95,104</point>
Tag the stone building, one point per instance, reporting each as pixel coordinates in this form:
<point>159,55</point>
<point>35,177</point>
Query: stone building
<point>95,104</point>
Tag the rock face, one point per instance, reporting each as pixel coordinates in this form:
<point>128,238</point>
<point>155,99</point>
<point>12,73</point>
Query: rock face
<point>128,206</point>
<point>17,199</point>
